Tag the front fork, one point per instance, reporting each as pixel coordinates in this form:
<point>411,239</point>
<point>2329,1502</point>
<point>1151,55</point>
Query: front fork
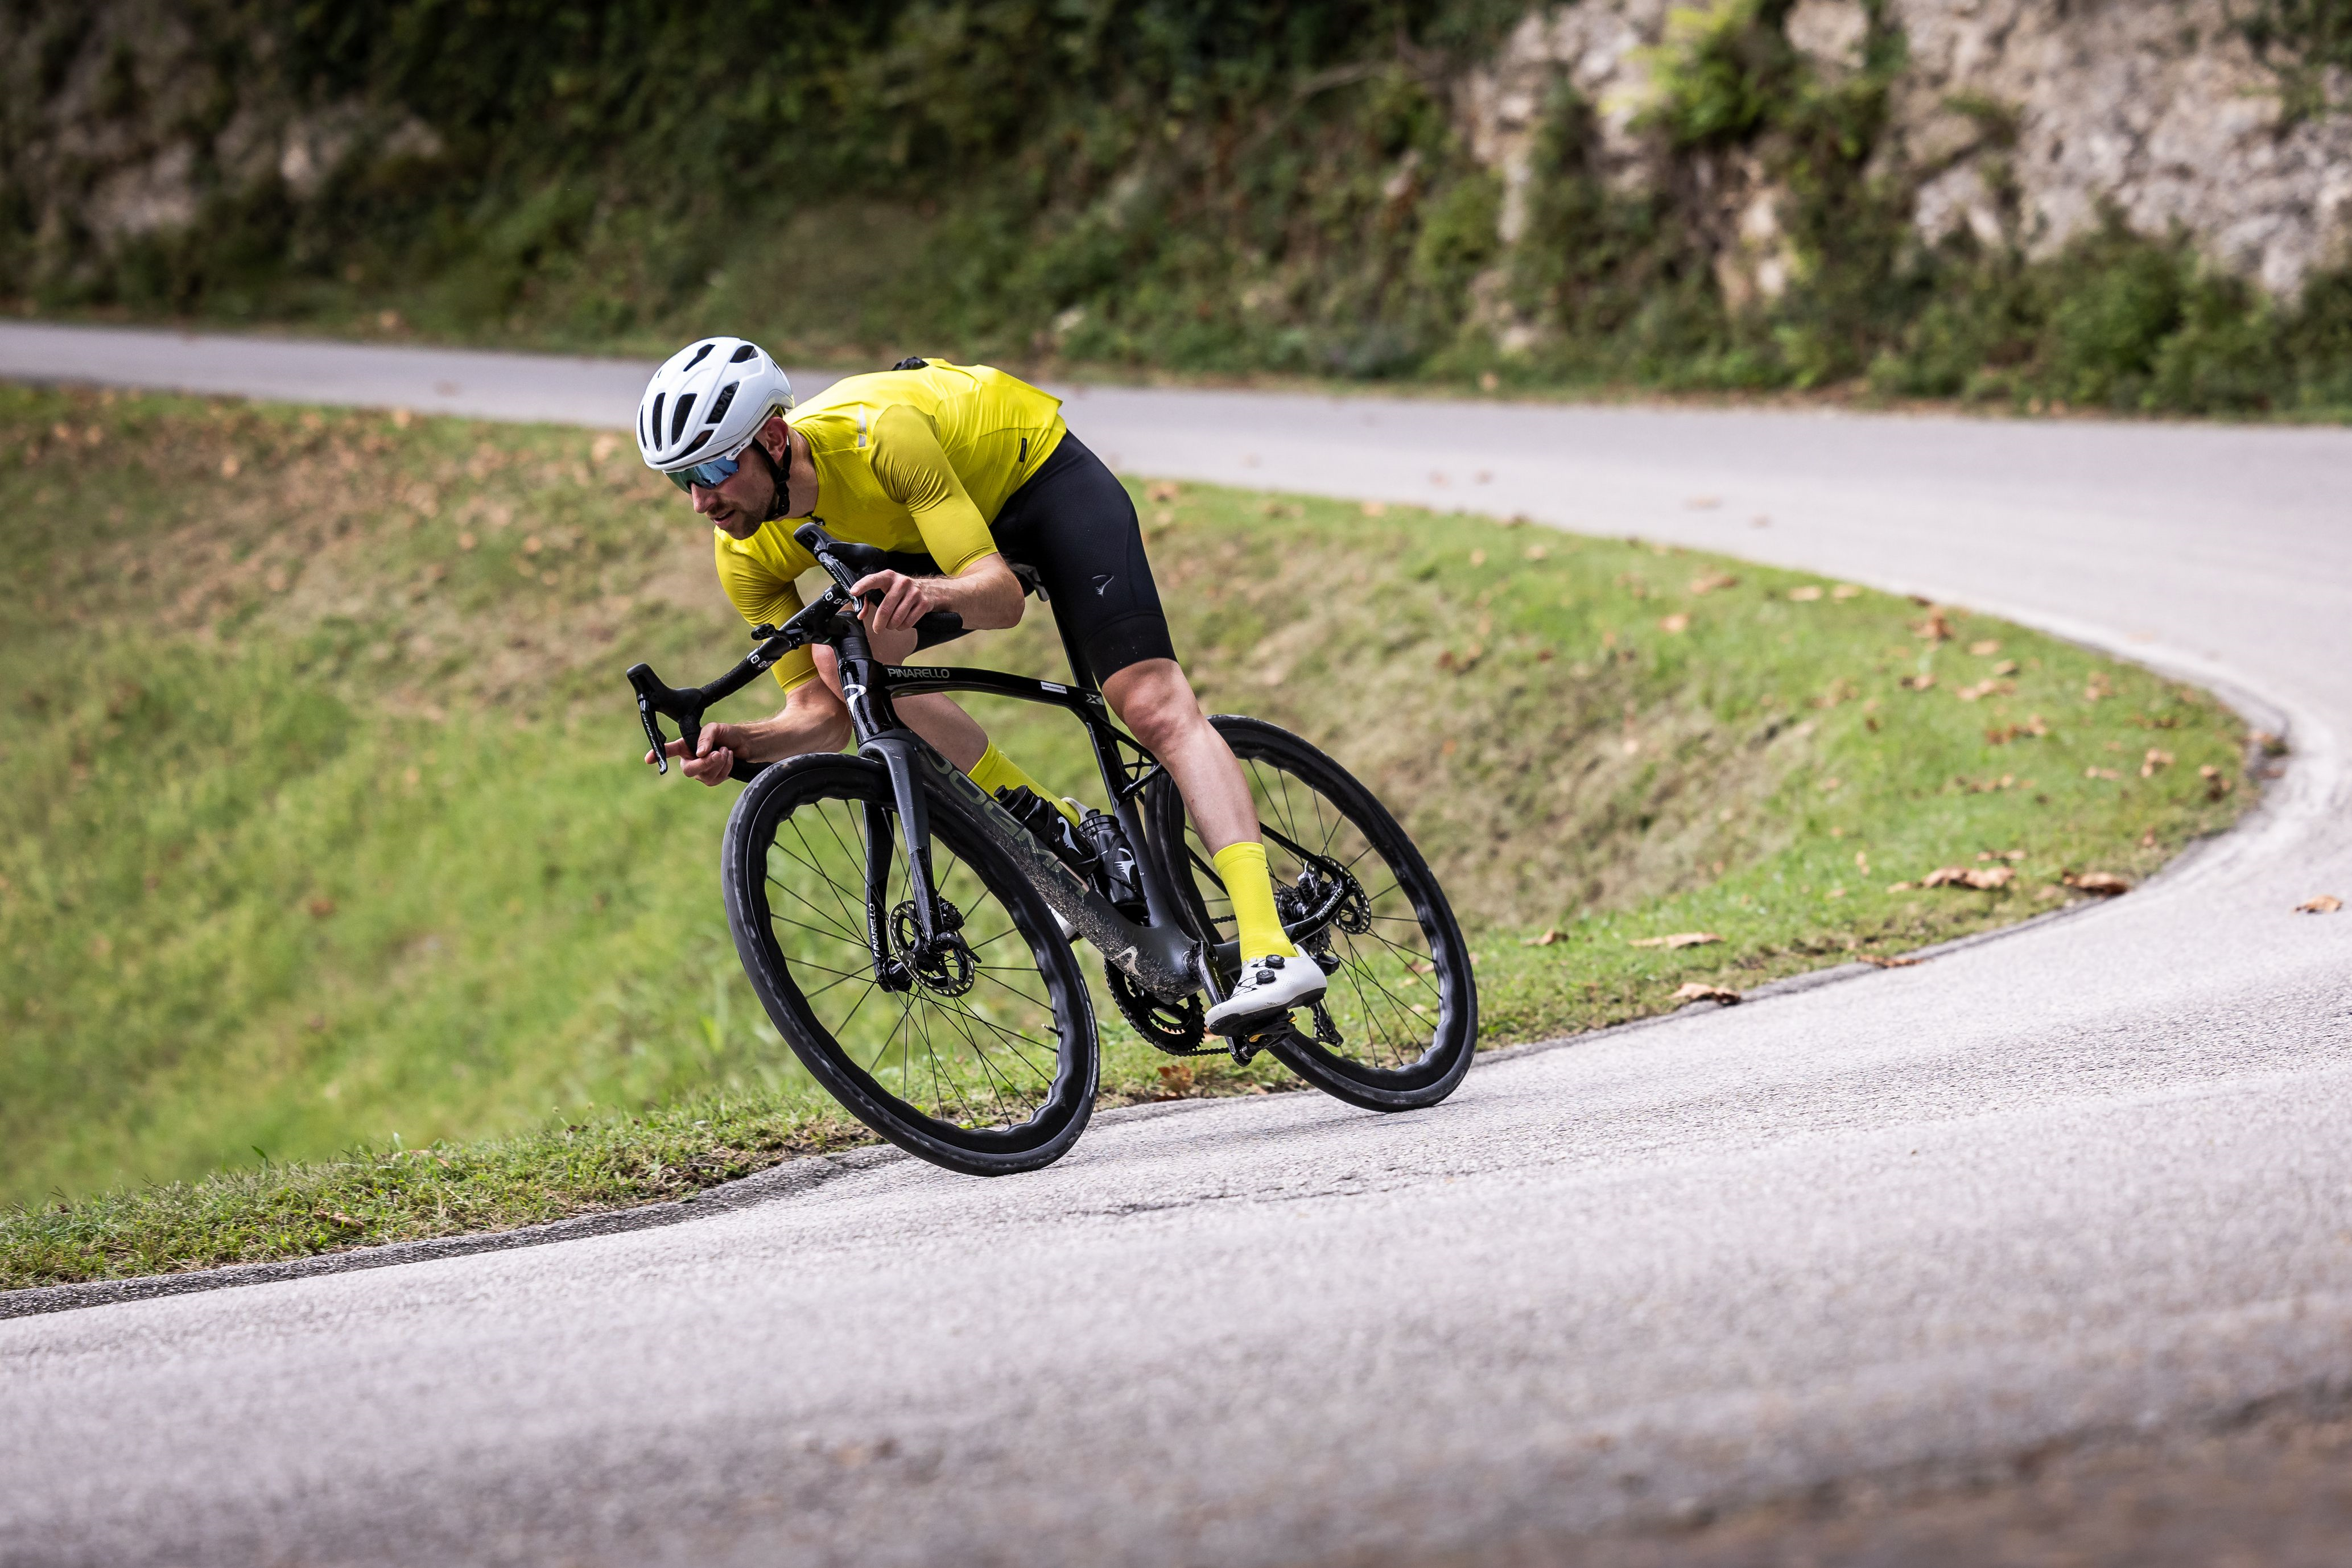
<point>879,737</point>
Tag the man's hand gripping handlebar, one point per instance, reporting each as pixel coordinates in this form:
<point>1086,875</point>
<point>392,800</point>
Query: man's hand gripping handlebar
<point>824,621</point>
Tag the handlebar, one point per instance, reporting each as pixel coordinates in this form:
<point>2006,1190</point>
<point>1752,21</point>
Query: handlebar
<point>847,564</point>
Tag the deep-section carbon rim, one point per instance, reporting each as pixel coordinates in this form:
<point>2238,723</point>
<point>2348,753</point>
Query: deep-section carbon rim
<point>979,1056</point>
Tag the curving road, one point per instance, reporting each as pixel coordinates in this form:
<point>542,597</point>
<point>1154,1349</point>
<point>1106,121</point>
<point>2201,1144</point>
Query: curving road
<point>2089,1180</point>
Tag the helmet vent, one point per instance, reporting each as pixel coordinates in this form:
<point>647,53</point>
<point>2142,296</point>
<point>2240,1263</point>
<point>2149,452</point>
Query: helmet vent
<point>700,351</point>
<point>677,415</point>
<point>659,398</point>
<point>725,397</point>
<point>739,356</point>
<point>696,445</point>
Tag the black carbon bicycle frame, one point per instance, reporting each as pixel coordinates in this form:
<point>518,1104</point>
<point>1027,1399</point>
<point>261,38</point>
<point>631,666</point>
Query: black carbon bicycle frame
<point>1157,956</point>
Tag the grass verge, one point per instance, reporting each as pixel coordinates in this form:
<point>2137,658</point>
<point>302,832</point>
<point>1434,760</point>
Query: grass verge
<point>339,911</point>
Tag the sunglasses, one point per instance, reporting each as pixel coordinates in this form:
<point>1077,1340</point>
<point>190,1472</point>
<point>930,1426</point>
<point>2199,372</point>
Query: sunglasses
<point>710,473</point>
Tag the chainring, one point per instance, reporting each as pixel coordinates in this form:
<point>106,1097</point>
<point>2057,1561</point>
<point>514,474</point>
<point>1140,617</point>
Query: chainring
<point>1176,1028</point>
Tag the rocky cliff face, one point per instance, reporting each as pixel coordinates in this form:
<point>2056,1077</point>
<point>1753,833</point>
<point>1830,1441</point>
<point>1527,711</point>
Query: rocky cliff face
<point>2022,121</point>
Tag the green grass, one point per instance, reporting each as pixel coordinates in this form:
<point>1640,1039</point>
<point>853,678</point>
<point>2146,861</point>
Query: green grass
<point>323,836</point>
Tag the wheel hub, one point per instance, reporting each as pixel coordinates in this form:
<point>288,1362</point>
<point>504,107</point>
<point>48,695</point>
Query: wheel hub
<point>943,965</point>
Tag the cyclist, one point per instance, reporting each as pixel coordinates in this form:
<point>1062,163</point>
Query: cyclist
<point>957,471</point>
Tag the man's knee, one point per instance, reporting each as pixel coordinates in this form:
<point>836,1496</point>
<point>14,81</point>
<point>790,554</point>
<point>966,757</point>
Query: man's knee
<point>1156,702</point>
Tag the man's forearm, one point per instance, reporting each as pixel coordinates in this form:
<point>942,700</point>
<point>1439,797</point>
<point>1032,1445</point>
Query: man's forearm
<point>985,594</point>
<point>800,728</point>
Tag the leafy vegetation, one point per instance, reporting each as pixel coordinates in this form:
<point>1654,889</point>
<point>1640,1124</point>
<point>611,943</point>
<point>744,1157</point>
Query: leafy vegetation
<point>1191,186</point>
<point>323,840</point>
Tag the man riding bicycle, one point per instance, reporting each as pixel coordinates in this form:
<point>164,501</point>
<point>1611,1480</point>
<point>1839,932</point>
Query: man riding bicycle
<point>958,472</point>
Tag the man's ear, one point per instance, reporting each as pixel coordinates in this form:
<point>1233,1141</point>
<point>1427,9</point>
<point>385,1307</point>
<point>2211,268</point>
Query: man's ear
<point>776,436</point>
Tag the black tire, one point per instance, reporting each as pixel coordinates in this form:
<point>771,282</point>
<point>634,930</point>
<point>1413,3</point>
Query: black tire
<point>1007,1080</point>
<point>1396,1052</point>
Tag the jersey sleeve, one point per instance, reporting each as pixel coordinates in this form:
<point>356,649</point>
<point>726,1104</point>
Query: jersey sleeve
<point>913,470</point>
<point>759,595</point>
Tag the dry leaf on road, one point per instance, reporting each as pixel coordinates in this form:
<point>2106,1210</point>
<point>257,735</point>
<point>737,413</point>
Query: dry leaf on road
<point>1679,939</point>
<point>1872,958</point>
<point>1695,992</point>
<point>2105,884</point>
<point>2325,904</point>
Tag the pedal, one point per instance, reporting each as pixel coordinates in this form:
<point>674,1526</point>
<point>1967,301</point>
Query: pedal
<point>1246,1037</point>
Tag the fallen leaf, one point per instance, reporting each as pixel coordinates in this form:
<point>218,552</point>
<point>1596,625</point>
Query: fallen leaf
<point>1702,586</point>
<point>2154,760</point>
<point>1934,628</point>
<point>1984,650</point>
<point>1919,683</point>
<point>1873,958</point>
<point>2325,904</point>
<point>1982,878</point>
<point>466,541</point>
<point>1537,552</point>
<point>1679,939</point>
<point>2216,783</point>
<point>2105,884</point>
<point>1546,940</point>
<point>322,908</point>
<point>1695,992</point>
<point>1675,624</point>
<point>400,416</point>
<point>2006,666</point>
<point>1845,590</point>
<point>1832,786</point>
<point>1375,509</point>
<point>338,1218</point>
<point>2001,854</point>
<point>1175,1081</point>
<point>1900,887</point>
<point>1478,558</point>
<point>2100,774</point>
<point>1806,595</point>
<point>534,544</point>
<point>229,466</point>
<point>1165,490</point>
<point>1862,861</point>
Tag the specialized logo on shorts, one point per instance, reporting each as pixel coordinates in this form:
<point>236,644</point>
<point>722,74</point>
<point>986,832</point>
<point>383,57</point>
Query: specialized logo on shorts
<point>1101,583</point>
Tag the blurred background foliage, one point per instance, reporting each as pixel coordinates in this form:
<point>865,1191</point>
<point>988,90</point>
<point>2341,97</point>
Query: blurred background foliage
<point>1191,186</point>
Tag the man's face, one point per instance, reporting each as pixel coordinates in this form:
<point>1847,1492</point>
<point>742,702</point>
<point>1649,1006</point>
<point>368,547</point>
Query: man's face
<point>740,503</point>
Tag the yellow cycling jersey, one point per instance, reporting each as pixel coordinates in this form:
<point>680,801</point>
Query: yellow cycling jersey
<point>918,461</point>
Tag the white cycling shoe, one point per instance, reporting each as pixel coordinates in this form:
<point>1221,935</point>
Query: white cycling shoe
<point>1269,987</point>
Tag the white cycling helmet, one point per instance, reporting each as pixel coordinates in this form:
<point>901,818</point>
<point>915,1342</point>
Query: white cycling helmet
<point>704,405</point>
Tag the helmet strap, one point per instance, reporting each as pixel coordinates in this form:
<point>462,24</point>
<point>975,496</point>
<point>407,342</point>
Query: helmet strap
<point>781,474</point>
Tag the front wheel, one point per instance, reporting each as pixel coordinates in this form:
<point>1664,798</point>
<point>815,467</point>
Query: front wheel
<point>975,1051</point>
<point>1398,1025</point>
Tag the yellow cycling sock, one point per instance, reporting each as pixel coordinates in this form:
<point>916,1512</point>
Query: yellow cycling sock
<point>1241,867</point>
<point>995,771</point>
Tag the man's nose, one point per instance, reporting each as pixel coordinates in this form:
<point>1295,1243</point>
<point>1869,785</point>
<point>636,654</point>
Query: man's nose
<point>703,498</point>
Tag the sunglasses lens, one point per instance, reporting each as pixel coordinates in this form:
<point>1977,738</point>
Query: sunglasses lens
<point>710,475</point>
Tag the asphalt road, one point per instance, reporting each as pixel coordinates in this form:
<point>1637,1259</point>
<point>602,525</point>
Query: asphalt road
<point>2088,1182</point>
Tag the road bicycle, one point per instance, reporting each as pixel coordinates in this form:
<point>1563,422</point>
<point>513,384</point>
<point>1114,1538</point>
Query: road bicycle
<point>899,925</point>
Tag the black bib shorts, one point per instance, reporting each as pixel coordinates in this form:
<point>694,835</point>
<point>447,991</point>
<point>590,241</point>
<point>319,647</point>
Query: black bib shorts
<point>1073,527</point>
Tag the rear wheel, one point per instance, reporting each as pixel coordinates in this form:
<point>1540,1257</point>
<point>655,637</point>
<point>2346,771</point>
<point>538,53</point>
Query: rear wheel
<point>976,1051</point>
<point>1399,1024</point>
